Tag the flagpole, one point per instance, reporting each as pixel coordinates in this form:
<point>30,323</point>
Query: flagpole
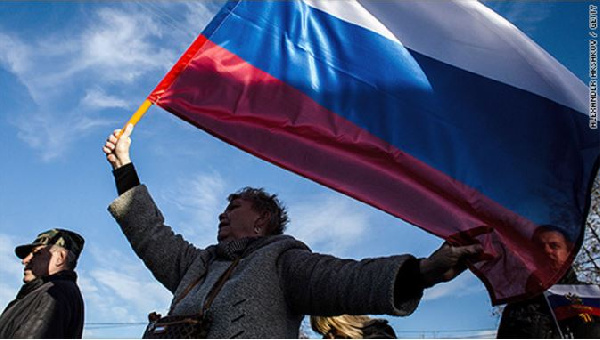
<point>137,115</point>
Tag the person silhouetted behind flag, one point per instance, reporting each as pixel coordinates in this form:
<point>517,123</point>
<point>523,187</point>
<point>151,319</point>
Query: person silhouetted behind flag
<point>534,318</point>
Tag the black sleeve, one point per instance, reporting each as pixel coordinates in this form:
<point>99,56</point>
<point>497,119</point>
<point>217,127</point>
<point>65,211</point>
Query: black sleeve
<point>408,289</point>
<point>126,178</point>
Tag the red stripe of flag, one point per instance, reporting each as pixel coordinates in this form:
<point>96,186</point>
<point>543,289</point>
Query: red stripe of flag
<point>176,70</point>
<point>565,312</point>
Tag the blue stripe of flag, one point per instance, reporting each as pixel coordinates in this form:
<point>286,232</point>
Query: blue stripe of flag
<point>561,301</point>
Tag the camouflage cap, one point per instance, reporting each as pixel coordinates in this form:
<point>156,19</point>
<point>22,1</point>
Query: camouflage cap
<point>58,237</point>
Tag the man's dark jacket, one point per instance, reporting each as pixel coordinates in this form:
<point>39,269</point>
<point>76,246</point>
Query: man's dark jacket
<point>47,307</point>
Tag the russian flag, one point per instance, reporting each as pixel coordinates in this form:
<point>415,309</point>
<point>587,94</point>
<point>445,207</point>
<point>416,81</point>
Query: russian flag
<point>440,113</point>
<point>568,301</point>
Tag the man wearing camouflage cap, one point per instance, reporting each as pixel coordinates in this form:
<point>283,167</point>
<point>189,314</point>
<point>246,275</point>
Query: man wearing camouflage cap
<point>49,304</point>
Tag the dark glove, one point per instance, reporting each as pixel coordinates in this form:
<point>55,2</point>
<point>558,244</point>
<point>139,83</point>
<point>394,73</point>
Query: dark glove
<point>447,263</point>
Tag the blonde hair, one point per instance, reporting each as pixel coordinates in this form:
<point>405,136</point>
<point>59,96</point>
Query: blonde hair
<point>341,326</point>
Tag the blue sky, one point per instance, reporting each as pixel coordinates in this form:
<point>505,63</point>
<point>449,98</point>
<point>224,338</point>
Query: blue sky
<point>71,72</point>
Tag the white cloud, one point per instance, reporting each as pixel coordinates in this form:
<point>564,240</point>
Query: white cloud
<point>11,265</point>
<point>199,201</point>
<point>144,296</point>
<point>122,46</point>
<point>120,291</point>
<point>14,54</point>
<point>491,334</point>
<point>464,284</point>
<point>115,47</point>
<point>198,13</point>
<point>88,334</point>
<point>11,270</point>
<point>71,75</point>
<point>329,224</point>
<point>108,52</point>
<point>52,135</point>
<point>98,98</point>
<point>7,294</point>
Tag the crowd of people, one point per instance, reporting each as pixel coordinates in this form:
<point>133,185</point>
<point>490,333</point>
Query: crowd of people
<point>255,281</point>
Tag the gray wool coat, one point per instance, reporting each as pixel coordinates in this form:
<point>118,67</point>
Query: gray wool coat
<point>277,281</point>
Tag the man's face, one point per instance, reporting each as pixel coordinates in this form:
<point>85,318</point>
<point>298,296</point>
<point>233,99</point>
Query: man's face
<point>37,263</point>
<point>554,246</point>
<point>237,221</point>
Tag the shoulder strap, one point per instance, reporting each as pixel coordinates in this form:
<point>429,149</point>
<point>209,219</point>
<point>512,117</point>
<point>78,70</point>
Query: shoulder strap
<point>218,285</point>
<point>213,292</point>
<point>186,291</point>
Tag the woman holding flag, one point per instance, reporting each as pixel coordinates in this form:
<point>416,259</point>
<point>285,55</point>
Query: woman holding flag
<point>257,282</point>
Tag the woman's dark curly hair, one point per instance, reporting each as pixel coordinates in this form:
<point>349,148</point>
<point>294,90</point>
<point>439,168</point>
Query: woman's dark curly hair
<point>263,201</point>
